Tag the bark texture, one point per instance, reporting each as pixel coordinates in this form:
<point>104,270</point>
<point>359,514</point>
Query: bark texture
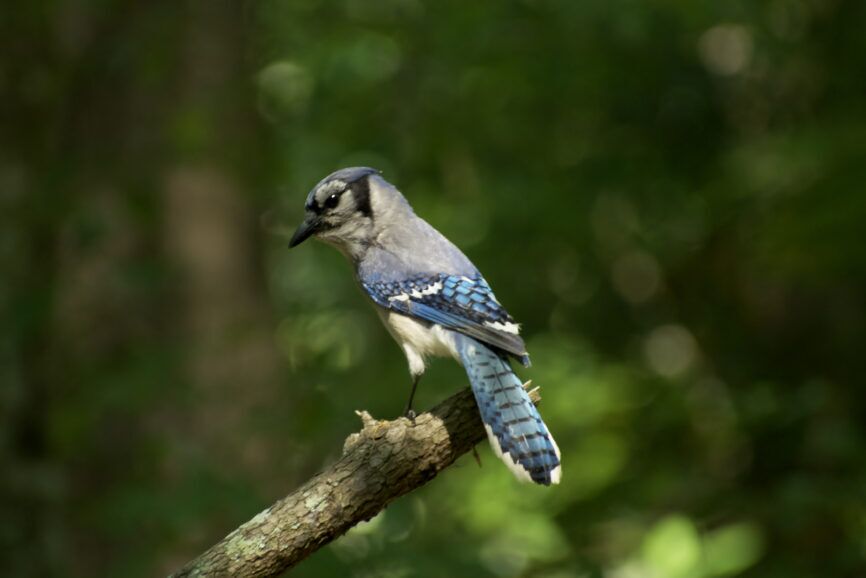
<point>382,462</point>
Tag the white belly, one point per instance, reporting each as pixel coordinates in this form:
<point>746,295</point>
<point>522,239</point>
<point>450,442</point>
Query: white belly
<point>419,339</point>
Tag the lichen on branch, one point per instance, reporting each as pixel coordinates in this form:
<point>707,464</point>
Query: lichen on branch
<point>380,463</point>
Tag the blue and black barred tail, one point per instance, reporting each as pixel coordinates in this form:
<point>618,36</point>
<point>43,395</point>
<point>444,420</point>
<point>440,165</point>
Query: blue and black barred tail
<point>514,426</point>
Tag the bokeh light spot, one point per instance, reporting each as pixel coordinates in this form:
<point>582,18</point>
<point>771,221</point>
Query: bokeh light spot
<point>726,49</point>
<point>670,350</point>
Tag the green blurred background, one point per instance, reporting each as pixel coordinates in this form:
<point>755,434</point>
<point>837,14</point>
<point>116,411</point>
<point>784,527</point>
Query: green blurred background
<point>669,196</point>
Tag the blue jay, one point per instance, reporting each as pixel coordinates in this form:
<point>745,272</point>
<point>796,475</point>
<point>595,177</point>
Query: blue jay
<point>433,301</point>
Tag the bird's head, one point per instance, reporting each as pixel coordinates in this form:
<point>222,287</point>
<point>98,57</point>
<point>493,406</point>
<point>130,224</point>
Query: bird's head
<point>348,208</point>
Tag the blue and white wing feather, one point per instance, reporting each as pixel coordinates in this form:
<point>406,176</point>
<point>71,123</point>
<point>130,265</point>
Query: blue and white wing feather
<point>457,302</point>
<point>486,334</point>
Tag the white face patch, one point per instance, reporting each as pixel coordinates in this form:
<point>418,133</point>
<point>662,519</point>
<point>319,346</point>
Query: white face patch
<point>346,233</point>
<point>344,226</point>
<point>329,189</point>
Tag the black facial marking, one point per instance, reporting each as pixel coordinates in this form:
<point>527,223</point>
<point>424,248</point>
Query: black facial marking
<point>332,201</point>
<point>313,206</point>
<point>356,180</point>
<point>361,193</point>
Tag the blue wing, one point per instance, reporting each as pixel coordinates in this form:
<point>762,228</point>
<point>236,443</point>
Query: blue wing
<point>463,304</point>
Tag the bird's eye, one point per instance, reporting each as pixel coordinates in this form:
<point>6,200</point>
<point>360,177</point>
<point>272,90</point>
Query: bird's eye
<point>332,201</point>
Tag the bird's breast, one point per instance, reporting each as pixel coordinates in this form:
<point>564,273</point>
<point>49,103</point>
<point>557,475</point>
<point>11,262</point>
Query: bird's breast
<point>425,338</point>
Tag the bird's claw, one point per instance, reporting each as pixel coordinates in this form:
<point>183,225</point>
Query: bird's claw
<point>410,415</point>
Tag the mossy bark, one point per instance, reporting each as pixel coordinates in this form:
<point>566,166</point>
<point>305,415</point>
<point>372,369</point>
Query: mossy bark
<point>382,462</point>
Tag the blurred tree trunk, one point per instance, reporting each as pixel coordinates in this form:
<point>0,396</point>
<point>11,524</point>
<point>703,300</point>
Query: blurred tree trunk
<point>209,235</point>
<point>89,97</point>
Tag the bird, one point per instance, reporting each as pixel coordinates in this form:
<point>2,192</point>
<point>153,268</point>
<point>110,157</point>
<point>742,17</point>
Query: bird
<point>434,302</point>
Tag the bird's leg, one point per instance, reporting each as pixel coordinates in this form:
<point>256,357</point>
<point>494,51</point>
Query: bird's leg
<point>408,411</point>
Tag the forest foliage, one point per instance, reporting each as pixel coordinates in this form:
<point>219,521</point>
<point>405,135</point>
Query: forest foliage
<point>668,196</point>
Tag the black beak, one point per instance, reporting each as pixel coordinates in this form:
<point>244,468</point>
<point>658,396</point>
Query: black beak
<point>308,227</point>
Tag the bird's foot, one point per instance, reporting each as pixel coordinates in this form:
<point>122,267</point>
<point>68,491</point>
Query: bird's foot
<point>475,454</point>
<point>409,414</point>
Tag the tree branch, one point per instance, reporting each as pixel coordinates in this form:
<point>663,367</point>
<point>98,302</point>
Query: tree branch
<point>382,462</point>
